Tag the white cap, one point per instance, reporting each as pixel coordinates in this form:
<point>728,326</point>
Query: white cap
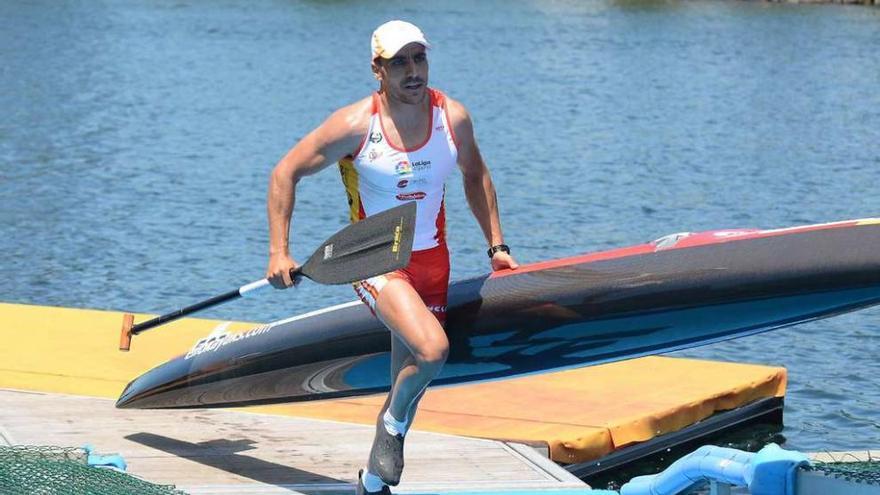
<point>390,37</point>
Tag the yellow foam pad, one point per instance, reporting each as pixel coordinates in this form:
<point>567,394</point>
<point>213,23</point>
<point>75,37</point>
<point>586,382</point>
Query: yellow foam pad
<point>76,351</point>
<point>580,414</point>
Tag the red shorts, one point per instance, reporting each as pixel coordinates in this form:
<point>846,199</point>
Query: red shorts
<point>427,272</point>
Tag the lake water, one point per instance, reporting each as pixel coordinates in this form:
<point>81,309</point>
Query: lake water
<point>137,139</point>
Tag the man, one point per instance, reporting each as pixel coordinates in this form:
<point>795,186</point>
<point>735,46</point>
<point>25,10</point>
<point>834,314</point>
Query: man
<point>397,145</point>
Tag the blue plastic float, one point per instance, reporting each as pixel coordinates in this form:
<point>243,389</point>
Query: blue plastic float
<point>771,471</point>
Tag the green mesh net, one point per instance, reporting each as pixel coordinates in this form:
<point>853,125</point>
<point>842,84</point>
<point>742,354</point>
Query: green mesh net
<point>865,473</point>
<point>33,470</point>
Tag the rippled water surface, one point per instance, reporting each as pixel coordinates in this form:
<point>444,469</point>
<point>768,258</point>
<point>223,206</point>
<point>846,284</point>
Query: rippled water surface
<point>137,139</point>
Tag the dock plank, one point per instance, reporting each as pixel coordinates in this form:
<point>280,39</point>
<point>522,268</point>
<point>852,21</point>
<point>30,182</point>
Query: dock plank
<point>223,451</point>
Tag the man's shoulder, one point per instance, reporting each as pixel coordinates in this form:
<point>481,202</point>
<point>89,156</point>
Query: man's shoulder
<point>358,112</point>
<point>456,110</point>
<point>458,116</point>
<point>350,121</point>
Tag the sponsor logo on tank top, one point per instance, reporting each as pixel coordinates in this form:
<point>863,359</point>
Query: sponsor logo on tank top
<point>413,196</point>
<point>437,309</point>
<point>374,155</point>
<point>403,168</point>
<point>412,182</point>
<point>375,137</point>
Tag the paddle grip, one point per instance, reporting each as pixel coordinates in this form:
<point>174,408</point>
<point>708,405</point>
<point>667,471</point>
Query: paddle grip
<point>296,273</point>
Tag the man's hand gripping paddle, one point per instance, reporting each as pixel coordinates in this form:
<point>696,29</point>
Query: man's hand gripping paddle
<point>378,244</point>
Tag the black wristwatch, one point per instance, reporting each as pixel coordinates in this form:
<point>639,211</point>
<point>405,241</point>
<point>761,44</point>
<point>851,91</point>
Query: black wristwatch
<point>498,247</point>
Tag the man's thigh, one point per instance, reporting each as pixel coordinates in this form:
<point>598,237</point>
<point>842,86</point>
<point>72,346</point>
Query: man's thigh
<point>402,310</point>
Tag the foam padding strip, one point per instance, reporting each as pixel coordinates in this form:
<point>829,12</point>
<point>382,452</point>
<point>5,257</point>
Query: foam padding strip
<point>76,351</point>
<point>579,414</point>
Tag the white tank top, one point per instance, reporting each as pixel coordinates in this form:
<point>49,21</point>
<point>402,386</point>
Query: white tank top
<point>381,175</point>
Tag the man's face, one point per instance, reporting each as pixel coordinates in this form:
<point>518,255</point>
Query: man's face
<point>405,75</point>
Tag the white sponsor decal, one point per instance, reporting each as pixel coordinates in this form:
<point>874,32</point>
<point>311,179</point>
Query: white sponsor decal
<point>732,233</point>
<point>219,338</point>
<point>669,241</point>
<point>328,251</point>
<point>862,221</point>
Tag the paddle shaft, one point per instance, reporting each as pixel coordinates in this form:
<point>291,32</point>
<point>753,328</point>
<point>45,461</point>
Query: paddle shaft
<point>207,303</point>
<point>378,244</point>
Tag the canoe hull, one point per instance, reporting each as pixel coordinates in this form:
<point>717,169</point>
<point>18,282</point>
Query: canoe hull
<point>679,292</point>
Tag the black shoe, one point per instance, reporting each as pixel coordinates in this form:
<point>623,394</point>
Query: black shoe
<point>386,456</point>
<point>360,490</point>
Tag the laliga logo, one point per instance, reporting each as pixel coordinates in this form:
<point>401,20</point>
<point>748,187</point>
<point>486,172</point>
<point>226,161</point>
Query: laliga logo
<point>403,168</point>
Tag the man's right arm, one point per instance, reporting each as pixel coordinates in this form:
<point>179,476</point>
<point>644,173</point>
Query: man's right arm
<point>338,136</point>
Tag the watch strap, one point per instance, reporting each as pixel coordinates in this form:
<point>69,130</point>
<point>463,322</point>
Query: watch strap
<point>498,247</point>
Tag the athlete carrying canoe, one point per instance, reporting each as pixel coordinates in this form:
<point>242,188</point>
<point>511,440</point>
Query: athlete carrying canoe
<point>394,146</point>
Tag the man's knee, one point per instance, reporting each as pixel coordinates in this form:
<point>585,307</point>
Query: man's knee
<point>433,353</point>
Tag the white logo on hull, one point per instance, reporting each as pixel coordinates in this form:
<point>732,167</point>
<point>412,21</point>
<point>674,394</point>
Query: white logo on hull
<point>219,338</point>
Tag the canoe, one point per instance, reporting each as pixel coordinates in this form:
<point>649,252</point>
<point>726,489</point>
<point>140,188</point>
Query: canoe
<point>680,291</point>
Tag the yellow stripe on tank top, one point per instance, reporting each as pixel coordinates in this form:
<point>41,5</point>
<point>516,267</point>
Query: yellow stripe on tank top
<point>350,181</point>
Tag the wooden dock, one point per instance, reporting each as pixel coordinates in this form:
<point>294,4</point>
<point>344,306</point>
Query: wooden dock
<point>225,452</point>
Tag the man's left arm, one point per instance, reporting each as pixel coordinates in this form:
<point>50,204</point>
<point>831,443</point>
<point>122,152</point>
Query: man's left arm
<point>478,186</point>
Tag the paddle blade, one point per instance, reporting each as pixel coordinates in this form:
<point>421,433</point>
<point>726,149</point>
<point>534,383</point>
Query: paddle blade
<point>378,244</point>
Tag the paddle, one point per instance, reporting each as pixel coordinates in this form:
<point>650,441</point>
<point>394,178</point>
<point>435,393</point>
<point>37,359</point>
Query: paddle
<point>378,244</point>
